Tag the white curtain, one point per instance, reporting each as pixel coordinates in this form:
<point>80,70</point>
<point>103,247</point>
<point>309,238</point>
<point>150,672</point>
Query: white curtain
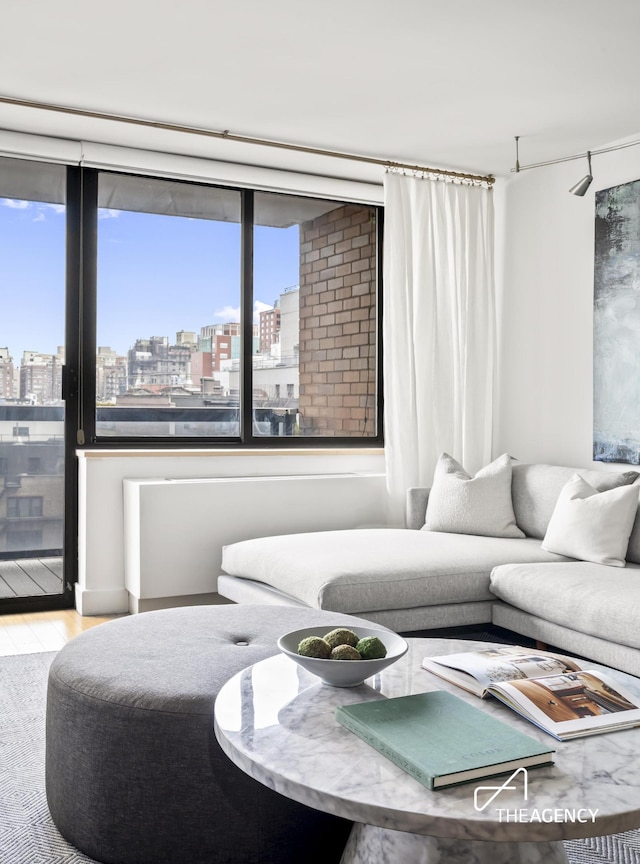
<point>439,329</point>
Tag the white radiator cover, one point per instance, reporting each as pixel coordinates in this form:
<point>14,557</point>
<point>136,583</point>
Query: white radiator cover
<point>174,530</point>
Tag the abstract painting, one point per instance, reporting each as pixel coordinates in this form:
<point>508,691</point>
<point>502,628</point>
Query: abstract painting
<point>616,325</point>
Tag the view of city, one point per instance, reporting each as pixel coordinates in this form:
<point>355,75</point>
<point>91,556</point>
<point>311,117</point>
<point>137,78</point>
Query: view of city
<point>192,370</point>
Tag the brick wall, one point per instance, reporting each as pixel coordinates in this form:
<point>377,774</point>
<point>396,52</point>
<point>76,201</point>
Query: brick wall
<point>338,323</point>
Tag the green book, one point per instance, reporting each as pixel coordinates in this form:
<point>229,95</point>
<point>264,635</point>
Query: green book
<point>441,740</point>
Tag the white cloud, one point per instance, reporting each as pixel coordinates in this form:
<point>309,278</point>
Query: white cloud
<point>232,313</point>
<point>108,213</point>
<point>259,307</point>
<point>19,204</point>
<point>14,204</point>
<point>228,313</point>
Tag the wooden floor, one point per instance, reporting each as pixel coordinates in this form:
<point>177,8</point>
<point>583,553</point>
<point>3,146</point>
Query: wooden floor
<point>30,577</point>
<point>43,631</point>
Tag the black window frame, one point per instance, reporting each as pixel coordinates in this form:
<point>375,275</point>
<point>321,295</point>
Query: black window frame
<point>84,240</point>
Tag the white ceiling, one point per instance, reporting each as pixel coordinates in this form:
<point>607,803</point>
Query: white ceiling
<point>445,83</point>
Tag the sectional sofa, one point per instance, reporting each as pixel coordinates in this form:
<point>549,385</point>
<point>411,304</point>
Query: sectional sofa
<point>425,576</point>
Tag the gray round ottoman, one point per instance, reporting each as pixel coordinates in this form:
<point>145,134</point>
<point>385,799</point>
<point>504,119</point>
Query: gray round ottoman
<point>134,774</point>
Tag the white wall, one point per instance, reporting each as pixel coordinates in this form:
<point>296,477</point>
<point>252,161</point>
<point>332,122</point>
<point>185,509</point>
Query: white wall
<point>101,555</point>
<point>545,245</point>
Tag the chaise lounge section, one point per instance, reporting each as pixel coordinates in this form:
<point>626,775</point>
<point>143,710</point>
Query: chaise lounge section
<point>416,578</point>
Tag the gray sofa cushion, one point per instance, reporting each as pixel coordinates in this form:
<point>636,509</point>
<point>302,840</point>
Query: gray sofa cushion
<point>590,598</point>
<point>417,502</point>
<point>363,570</point>
<point>535,489</point>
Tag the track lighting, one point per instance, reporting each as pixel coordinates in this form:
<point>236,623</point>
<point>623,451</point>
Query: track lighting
<point>582,185</point>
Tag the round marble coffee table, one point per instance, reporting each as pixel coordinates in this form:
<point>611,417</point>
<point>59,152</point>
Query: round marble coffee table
<point>277,723</point>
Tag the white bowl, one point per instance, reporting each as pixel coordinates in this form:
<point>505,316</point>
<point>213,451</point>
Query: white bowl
<point>343,673</point>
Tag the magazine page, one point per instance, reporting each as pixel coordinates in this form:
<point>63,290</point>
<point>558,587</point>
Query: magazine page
<point>571,704</point>
<point>476,671</point>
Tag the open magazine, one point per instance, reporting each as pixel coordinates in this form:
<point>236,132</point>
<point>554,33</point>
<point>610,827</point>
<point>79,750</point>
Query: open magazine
<point>548,689</point>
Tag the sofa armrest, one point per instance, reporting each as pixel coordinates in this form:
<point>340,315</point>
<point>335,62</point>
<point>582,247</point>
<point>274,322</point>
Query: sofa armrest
<point>417,497</point>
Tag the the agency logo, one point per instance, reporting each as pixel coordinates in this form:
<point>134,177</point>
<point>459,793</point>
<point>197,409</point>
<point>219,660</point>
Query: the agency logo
<point>509,784</point>
<point>484,796</point>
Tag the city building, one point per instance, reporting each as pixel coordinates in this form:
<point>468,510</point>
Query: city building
<point>186,339</point>
<point>224,342</point>
<point>31,478</point>
<point>7,375</point>
<point>289,335</point>
<point>111,374</point>
<point>201,367</point>
<point>269,327</point>
<point>220,341</point>
<point>154,364</point>
<point>41,377</point>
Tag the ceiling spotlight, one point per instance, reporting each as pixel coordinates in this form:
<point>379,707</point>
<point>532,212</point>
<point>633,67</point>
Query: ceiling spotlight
<point>582,185</point>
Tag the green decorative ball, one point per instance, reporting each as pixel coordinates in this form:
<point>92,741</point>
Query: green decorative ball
<point>314,646</point>
<point>345,652</point>
<point>371,648</point>
<point>341,636</point>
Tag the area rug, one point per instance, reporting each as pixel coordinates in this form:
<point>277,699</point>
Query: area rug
<point>27,834</point>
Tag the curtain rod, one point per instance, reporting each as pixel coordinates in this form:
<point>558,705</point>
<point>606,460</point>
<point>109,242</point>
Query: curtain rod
<point>240,139</point>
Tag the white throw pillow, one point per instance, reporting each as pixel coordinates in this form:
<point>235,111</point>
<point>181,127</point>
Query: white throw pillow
<point>461,504</point>
<point>591,525</point>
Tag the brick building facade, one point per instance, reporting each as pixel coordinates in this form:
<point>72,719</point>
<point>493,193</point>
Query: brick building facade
<point>338,323</point>
<point>269,328</point>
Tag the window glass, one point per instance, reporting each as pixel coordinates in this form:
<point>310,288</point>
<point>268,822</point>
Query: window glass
<point>315,351</point>
<point>168,300</point>
<point>32,356</point>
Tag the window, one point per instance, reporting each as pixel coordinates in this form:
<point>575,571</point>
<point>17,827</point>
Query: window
<point>34,465</point>
<point>317,260</point>
<point>194,311</point>
<point>24,507</point>
<point>213,303</point>
<point>168,287</point>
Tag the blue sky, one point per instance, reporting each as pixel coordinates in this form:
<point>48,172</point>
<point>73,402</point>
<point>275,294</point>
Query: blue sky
<point>156,275</point>
<point>32,277</point>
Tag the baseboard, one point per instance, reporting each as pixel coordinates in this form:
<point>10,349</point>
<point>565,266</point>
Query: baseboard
<point>137,604</point>
<point>112,601</point>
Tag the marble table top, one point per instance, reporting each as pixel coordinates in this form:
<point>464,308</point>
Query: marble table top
<point>277,723</point>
